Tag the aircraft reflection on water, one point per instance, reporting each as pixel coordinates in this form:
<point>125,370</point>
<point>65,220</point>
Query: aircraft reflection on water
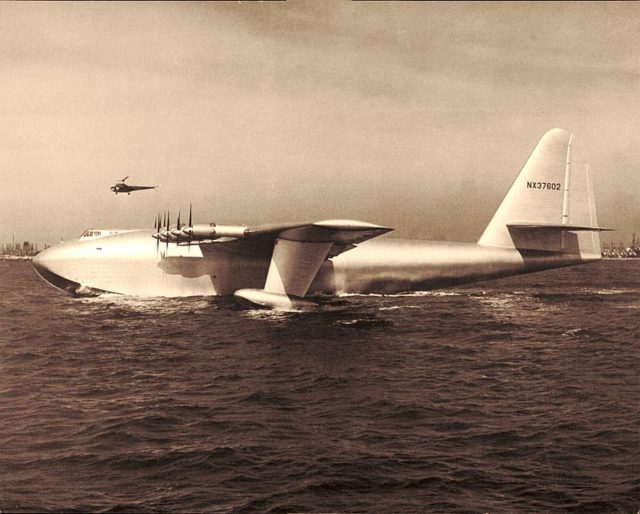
<point>546,220</point>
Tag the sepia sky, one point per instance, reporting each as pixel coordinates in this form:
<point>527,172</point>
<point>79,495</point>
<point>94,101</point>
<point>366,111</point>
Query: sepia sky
<point>412,115</point>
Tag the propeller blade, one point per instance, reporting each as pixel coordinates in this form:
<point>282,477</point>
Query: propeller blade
<point>167,243</point>
<point>190,225</point>
<point>176,233</point>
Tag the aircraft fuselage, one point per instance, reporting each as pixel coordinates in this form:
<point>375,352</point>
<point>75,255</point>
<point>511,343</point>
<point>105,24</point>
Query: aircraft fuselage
<point>133,263</point>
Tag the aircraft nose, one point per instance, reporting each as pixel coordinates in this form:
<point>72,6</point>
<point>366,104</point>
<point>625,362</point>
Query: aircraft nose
<point>52,265</point>
<point>47,258</point>
<point>40,260</point>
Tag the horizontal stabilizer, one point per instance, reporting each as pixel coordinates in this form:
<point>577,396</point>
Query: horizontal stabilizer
<point>549,237</point>
<point>543,226</point>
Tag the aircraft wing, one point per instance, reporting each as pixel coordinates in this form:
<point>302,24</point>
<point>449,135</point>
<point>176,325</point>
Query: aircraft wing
<point>335,231</point>
<point>298,252</point>
<point>342,234</point>
<point>299,249</point>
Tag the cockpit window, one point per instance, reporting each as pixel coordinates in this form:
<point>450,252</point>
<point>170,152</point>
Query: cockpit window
<point>91,233</point>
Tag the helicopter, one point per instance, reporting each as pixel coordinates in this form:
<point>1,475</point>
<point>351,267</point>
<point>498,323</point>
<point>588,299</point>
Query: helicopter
<point>121,187</point>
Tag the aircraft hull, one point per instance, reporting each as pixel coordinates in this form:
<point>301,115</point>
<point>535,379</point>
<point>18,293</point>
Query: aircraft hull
<point>134,264</point>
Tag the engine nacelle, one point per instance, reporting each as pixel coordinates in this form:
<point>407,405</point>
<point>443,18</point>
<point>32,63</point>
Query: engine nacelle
<point>201,230</point>
<point>230,230</point>
<point>213,231</point>
<point>162,236</point>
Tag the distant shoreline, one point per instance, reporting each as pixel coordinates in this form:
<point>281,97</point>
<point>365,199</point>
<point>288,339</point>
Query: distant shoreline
<point>16,257</point>
<point>30,258</point>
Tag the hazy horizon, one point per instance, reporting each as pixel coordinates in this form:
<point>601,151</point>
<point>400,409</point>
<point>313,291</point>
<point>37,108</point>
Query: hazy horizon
<point>416,116</point>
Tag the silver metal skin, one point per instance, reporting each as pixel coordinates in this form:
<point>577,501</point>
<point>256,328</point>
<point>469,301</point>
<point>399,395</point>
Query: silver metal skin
<point>546,220</point>
<point>129,264</point>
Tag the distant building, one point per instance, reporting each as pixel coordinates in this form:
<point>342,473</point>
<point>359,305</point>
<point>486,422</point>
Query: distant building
<point>611,251</point>
<point>14,251</point>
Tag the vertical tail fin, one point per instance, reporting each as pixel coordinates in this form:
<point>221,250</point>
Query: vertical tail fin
<point>551,205</point>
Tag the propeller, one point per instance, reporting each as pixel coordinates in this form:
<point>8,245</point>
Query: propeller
<point>176,231</point>
<point>190,230</point>
<point>164,233</point>
<point>168,232</point>
<point>157,228</point>
<point>125,178</point>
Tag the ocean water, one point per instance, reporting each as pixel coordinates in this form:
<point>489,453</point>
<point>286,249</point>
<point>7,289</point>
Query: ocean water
<point>519,395</point>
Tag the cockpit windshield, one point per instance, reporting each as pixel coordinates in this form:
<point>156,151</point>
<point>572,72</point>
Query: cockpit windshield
<point>90,233</point>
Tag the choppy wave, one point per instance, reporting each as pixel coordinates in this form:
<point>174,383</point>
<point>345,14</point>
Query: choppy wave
<point>519,395</point>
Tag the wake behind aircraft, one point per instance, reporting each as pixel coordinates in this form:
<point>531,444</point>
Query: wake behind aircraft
<point>121,187</point>
<point>546,220</point>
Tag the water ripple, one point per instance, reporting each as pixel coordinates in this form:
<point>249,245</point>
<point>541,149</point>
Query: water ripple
<point>515,396</point>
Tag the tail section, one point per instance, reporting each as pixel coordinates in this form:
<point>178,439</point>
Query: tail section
<point>550,206</point>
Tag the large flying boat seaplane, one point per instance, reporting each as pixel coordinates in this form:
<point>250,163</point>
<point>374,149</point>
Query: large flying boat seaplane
<point>547,220</point>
